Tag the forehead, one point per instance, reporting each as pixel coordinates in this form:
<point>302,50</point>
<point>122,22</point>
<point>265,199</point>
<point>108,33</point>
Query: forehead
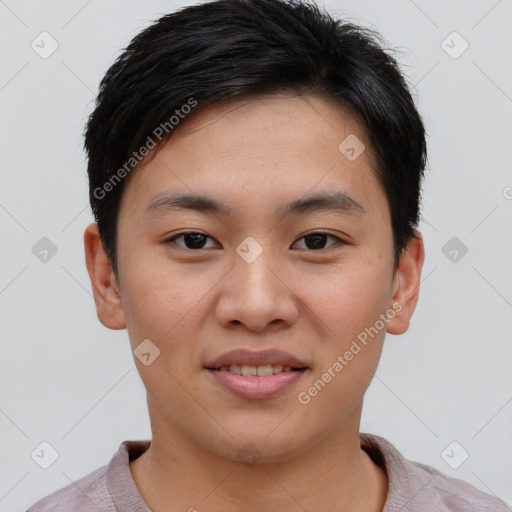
<point>309,119</point>
<point>262,147</point>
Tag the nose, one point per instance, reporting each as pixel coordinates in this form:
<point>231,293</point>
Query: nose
<point>257,295</point>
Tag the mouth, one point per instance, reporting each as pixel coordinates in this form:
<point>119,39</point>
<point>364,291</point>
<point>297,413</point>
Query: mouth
<point>259,371</point>
<point>256,375</point>
<point>254,386</point>
<point>242,360</point>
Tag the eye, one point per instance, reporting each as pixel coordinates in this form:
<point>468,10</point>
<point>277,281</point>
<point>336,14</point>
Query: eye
<point>196,240</point>
<point>316,240</point>
<point>192,240</point>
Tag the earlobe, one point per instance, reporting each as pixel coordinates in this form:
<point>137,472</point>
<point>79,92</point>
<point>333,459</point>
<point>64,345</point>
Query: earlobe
<point>105,288</point>
<point>407,284</point>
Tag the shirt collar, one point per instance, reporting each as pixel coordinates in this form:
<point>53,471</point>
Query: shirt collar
<point>400,496</point>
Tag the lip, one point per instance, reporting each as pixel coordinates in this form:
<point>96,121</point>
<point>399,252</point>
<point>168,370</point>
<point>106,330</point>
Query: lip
<point>261,358</point>
<point>253,387</point>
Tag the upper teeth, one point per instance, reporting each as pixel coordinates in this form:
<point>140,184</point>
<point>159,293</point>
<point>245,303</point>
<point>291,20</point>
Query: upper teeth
<point>260,371</point>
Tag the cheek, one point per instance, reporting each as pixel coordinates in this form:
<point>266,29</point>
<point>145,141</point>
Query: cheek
<point>348,357</point>
<point>348,298</point>
<point>159,297</point>
<point>349,302</point>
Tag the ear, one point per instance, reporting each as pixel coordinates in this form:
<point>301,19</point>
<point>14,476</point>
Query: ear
<point>104,284</point>
<point>406,285</point>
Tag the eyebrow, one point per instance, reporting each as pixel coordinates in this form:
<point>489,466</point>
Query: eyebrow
<point>330,201</point>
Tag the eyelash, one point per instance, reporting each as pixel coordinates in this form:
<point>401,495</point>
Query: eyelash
<point>174,237</point>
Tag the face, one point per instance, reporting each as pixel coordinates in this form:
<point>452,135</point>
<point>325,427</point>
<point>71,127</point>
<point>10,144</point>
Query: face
<point>267,269</point>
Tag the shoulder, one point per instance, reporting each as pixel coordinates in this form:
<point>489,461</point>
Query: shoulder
<point>452,494</point>
<point>107,489</point>
<point>417,487</point>
<point>89,493</point>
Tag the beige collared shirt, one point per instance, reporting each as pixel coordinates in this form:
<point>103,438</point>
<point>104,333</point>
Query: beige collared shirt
<point>413,487</point>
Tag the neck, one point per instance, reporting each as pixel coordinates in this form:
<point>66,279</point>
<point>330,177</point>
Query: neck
<point>176,473</point>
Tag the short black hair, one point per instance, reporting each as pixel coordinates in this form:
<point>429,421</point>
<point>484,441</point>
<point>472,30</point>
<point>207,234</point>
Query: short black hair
<point>223,49</point>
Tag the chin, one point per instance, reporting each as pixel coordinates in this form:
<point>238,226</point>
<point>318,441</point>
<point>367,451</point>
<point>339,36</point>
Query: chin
<point>259,447</point>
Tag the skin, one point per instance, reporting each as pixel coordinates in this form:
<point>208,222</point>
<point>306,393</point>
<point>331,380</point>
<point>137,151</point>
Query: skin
<point>195,305</point>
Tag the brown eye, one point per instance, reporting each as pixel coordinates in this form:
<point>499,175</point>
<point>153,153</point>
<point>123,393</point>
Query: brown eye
<point>191,239</point>
<point>317,240</point>
<point>195,240</point>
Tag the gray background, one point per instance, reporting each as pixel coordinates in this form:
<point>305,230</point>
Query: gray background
<point>67,380</point>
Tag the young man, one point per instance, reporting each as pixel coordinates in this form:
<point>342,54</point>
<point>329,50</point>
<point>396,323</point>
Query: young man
<point>255,172</point>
